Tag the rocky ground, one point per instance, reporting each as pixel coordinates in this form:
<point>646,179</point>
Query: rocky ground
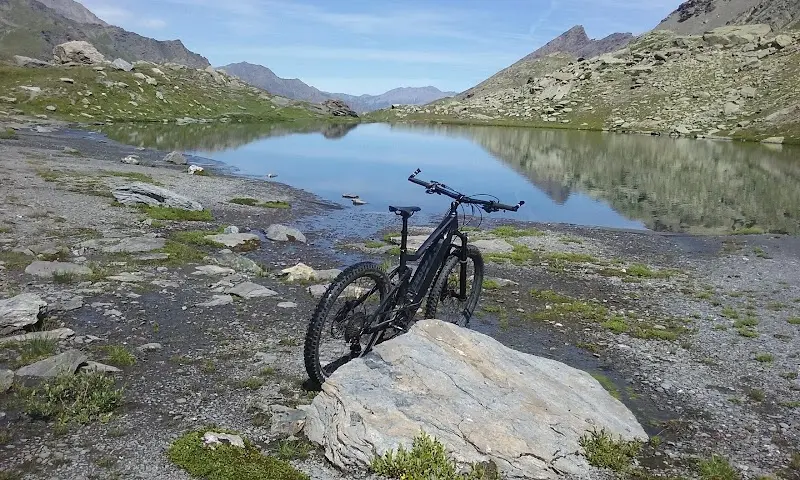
<point>697,335</point>
<point>734,82</point>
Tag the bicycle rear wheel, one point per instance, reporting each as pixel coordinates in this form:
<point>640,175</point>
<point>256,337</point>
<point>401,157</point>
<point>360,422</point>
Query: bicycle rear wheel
<point>443,300</point>
<point>334,335</point>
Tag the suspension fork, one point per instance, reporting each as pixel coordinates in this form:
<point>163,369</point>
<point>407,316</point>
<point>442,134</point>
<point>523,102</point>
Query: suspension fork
<point>462,260</point>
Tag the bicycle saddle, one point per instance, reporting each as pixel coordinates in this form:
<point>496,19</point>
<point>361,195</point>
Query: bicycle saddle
<point>406,211</point>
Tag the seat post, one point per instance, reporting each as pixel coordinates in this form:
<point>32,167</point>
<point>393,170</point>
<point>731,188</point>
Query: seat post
<point>403,241</point>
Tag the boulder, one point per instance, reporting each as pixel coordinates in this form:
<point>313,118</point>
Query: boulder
<point>67,362</point>
<point>57,334</point>
<point>29,62</point>
<point>120,64</point>
<point>303,273</point>
<point>782,41</point>
<point>146,194</point>
<point>482,400</point>
<point>130,160</point>
<point>6,380</point>
<point>238,263</point>
<point>20,311</point>
<point>338,108</point>
<point>77,52</point>
<point>731,108</point>
<point>236,240</point>
<point>773,140</point>
<point>124,245</point>
<point>249,290</point>
<point>217,301</point>
<point>176,157</point>
<point>43,269</point>
<point>282,233</point>
<point>737,34</point>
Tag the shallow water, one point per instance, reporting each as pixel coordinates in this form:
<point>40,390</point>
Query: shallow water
<point>583,178</point>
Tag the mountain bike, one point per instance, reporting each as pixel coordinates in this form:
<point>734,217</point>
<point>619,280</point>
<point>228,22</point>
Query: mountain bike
<point>366,305</point>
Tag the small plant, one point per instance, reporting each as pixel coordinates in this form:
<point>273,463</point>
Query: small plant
<point>747,332</point>
<point>490,284</point>
<point>427,459</point>
<point>267,372</point>
<point>603,451</point>
<point>228,462</point>
<point>760,253</point>
<point>794,321</point>
<point>195,237</point>
<point>181,254</point>
<point>789,375</point>
<point>177,214</point>
<point>616,324</point>
<point>607,384</point>
<point>729,312</point>
<point>765,358</point>
<point>135,176</point>
<point>294,450</point>
<point>32,351</point>
<point>746,322</point>
<point>119,356</point>
<point>756,395</point>
<point>63,277</point>
<point>208,367</point>
<point>289,342</point>
<point>8,134</point>
<point>512,232</point>
<point>253,383</point>
<point>71,398</point>
<point>717,468</point>
<point>275,204</point>
<point>373,244</point>
<point>252,202</point>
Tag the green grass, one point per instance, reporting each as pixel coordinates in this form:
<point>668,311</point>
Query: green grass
<point>640,270</point>
<point>135,176</point>
<point>64,277</point>
<point>252,383</point>
<point>294,449</point>
<point>182,254</point>
<point>756,394</point>
<point>119,356</point>
<point>746,322</point>
<point>760,253</point>
<point>602,450</point>
<point>394,251</point>
<point>749,231</point>
<point>792,405</point>
<point>31,351</point>
<point>373,244</point>
<point>15,261</point>
<point>747,332</point>
<point>513,232</point>
<point>227,462</point>
<point>764,358</point>
<point>716,468</point>
<point>794,320</point>
<point>616,324</point>
<point>729,312</point>
<point>252,202</point>
<point>8,134</point>
<point>570,257</point>
<point>519,255</point>
<point>196,237</point>
<point>427,460</point>
<point>490,284</point>
<point>69,398</point>
<point>177,214</point>
<point>607,384</point>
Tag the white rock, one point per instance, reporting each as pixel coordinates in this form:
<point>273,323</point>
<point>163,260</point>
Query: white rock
<point>131,160</point>
<point>217,301</point>
<point>20,311</point>
<point>213,270</point>
<point>282,233</point>
<point>48,269</point>
<point>77,52</point>
<point>57,334</point>
<point>67,362</point>
<point>249,290</point>
<point>214,439</point>
<point>234,240</point>
<point>482,400</point>
<point>139,193</point>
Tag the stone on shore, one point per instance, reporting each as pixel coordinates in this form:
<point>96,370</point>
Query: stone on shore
<point>57,334</point>
<point>67,362</point>
<point>176,157</point>
<point>124,245</point>
<point>19,312</point>
<point>146,194</point>
<point>248,290</point>
<point>242,241</point>
<point>282,233</point>
<point>482,400</point>
<point>43,269</point>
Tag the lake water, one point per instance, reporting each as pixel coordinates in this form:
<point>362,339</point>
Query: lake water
<point>583,178</point>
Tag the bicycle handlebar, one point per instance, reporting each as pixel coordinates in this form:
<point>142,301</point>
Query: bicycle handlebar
<point>439,188</point>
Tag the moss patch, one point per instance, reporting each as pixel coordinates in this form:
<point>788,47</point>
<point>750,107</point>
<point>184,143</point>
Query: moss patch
<point>135,176</point>
<point>226,462</point>
<point>604,451</point>
<point>716,468</point>
<point>8,134</point>
<point>512,232</point>
<point>427,459</point>
<point>68,398</point>
<point>177,214</point>
<point>607,384</point>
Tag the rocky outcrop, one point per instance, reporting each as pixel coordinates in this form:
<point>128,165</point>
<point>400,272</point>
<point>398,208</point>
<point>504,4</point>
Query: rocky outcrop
<point>699,16</point>
<point>146,194</point>
<point>338,108</point>
<point>281,233</point>
<point>28,62</point>
<point>19,312</point>
<point>576,42</point>
<point>63,363</point>
<point>43,269</point>
<point>482,400</point>
<point>78,51</point>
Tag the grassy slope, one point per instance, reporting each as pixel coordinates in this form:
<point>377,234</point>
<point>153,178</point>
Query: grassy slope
<point>187,93</point>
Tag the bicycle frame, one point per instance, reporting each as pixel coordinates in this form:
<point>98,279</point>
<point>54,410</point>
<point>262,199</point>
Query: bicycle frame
<point>424,275</point>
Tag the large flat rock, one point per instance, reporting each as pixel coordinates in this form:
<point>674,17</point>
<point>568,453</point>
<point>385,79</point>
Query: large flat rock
<point>67,362</point>
<point>139,193</point>
<point>125,245</point>
<point>43,269</point>
<point>20,311</point>
<point>482,400</point>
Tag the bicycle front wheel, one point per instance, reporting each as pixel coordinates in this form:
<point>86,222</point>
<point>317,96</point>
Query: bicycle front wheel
<point>444,300</point>
<point>334,335</point>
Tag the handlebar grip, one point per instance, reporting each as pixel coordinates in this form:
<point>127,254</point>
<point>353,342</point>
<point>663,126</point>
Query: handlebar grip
<point>419,182</point>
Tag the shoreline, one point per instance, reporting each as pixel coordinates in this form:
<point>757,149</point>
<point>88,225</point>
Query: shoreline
<point>651,311</point>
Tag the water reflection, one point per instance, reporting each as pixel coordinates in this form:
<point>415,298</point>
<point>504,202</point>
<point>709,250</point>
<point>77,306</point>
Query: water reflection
<point>214,137</point>
<point>676,185</point>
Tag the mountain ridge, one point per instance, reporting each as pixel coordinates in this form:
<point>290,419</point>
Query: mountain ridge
<point>694,17</point>
<point>263,77</point>
<point>74,11</point>
<point>31,28</point>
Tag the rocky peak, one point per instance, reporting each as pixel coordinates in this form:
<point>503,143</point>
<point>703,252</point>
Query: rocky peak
<point>694,17</point>
<point>576,42</point>
<point>73,11</point>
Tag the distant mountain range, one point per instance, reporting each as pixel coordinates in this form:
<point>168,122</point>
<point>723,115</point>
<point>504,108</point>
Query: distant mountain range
<point>263,77</point>
<point>33,27</point>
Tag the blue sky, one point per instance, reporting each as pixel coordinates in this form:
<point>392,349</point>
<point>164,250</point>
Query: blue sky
<point>363,46</point>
